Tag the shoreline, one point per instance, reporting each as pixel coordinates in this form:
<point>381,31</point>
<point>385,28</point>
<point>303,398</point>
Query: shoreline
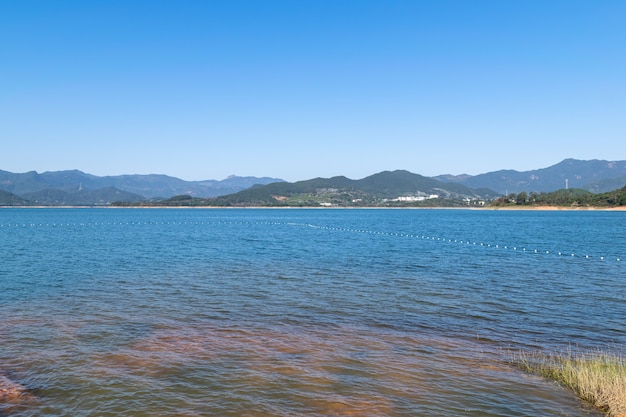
<point>557,208</point>
<point>504,208</point>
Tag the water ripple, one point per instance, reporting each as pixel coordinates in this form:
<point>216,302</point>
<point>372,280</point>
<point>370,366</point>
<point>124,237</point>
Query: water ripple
<point>299,312</point>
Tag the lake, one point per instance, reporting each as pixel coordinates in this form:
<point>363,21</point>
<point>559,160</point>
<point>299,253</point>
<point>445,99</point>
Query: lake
<point>302,312</point>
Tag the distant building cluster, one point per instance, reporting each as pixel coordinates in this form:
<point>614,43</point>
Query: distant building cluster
<point>474,201</point>
<point>416,197</point>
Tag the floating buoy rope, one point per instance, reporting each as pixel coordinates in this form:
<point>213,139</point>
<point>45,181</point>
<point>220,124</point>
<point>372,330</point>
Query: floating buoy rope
<point>404,235</point>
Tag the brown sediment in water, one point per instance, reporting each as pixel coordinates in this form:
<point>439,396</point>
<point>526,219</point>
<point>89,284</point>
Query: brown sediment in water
<point>309,363</point>
<point>338,370</point>
<point>12,392</point>
<point>315,364</point>
<point>160,352</point>
<point>362,406</point>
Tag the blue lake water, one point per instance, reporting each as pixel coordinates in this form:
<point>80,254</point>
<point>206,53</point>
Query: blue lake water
<point>298,312</point>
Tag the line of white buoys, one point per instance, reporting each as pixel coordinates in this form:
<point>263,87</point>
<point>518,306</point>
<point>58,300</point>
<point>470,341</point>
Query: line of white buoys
<point>468,242</point>
<point>314,226</point>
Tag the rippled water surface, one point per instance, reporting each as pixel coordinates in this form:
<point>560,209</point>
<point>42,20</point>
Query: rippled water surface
<point>251,312</point>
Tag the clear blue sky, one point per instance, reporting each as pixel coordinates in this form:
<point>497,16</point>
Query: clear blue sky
<point>298,89</point>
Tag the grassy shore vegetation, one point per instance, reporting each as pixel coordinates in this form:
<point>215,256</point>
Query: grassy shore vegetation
<point>598,377</point>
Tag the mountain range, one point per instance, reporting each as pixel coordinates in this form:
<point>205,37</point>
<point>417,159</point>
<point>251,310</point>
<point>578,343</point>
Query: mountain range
<point>597,176</point>
<point>78,188</point>
<point>75,187</point>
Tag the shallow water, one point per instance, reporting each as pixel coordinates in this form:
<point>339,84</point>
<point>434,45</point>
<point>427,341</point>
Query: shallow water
<point>241,312</point>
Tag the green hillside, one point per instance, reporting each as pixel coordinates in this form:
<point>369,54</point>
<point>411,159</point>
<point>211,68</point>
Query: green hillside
<point>385,189</point>
<point>99,197</point>
<point>565,198</point>
<point>9,199</point>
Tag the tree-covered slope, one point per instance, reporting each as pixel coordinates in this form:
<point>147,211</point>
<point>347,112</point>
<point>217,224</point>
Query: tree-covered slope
<point>385,188</point>
<point>83,197</point>
<point>573,197</point>
<point>10,199</point>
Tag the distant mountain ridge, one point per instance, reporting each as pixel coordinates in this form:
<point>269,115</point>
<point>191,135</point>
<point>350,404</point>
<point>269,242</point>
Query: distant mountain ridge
<point>74,187</point>
<point>146,186</point>
<point>595,175</point>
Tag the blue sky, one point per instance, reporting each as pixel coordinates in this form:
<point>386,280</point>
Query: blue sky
<point>309,88</point>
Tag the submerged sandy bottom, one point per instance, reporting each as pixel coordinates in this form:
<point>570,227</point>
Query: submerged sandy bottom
<point>199,370</point>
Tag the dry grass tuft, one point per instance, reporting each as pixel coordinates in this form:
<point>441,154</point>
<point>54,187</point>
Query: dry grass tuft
<point>598,377</point>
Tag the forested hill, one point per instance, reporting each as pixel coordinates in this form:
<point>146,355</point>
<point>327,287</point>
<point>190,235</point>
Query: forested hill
<point>9,199</point>
<point>54,197</point>
<point>388,188</point>
<point>564,198</point>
